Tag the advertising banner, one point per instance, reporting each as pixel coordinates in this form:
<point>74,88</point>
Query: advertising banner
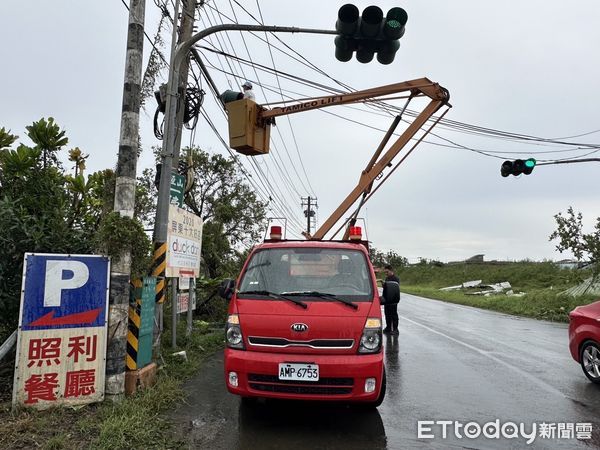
<point>184,243</point>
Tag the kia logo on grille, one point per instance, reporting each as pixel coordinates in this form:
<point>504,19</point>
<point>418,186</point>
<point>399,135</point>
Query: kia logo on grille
<point>299,327</point>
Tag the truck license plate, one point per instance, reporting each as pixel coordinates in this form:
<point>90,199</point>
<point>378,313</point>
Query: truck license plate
<point>298,372</point>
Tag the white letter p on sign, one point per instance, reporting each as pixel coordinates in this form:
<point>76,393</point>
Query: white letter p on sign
<point>55,283</point>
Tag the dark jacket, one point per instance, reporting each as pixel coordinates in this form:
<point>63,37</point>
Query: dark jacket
<point>391,290</point>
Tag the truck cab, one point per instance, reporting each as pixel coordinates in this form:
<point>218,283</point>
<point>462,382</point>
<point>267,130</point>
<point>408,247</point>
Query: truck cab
<point>304,322</point>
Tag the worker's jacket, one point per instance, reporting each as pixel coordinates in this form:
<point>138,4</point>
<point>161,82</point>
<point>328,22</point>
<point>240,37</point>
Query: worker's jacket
<point>391,290</point>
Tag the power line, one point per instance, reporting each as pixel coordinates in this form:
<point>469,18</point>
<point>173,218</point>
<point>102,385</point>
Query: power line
<point>487,132</point>
<point>267,195</point>
<point>281,93</point>
<point>287,182</point>
<point>449,143</point>
<point>277,129</point>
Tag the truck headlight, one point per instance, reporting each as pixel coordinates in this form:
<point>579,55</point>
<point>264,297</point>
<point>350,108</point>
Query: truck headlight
<point>370,341</point>
<point>233,333</point>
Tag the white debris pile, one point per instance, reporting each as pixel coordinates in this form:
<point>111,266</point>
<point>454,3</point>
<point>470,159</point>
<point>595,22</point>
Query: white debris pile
<point>476,287</point>
<point>588,286</point>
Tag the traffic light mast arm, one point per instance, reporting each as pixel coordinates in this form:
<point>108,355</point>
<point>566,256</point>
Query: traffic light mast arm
<point>370,174</point>
<point>420,86</point>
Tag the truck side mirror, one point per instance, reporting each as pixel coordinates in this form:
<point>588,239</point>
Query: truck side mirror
<point>226,288</point>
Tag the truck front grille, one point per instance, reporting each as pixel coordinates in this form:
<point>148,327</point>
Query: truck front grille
<point>325,386</point>
<point>314,343</point>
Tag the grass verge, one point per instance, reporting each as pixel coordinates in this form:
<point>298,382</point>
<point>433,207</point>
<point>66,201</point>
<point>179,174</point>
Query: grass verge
<point>545,304</point>
<point>133,423</point>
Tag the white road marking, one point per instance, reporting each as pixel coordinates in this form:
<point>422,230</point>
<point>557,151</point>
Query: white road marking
<point>537,381</point>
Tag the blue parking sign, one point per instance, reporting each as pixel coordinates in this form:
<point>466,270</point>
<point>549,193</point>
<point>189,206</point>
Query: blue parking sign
<point>61,344</point>
<point>64,291</point>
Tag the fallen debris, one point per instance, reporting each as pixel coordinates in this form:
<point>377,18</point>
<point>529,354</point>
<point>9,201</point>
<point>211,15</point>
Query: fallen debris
<point>485,289</point>
<point>182,354</point>
<point>588,286</point>
<point>466,284</point>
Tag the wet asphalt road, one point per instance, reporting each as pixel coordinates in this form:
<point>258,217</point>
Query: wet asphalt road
<point>449,362</point>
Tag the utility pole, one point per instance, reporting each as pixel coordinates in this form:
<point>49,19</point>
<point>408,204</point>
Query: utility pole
<point>188,17</point>
<point>125,199</point>
<point>309,212</point>
<point>169,153</point>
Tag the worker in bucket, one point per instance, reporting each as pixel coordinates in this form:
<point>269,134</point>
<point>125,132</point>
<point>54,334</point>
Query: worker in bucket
<point>248,92</point>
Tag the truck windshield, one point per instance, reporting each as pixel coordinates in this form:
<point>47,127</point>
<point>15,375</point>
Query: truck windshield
<point>302,271</point>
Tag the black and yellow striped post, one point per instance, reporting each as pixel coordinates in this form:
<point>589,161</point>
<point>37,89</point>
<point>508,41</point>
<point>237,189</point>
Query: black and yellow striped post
<point>134,324</point>
<point>159,270</point>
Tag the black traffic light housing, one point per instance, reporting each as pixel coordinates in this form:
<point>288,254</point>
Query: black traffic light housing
<point>369,34</point>
<point>517,167</point>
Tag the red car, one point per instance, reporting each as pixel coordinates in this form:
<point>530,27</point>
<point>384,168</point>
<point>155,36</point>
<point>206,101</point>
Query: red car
<point>584,339</point>
<point>305,323</point>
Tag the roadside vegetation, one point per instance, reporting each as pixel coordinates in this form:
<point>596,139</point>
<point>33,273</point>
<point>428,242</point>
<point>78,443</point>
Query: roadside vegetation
<point>133,423</point>
<point>46,207</point>
<point>542,283</point>
<point>49,203</point>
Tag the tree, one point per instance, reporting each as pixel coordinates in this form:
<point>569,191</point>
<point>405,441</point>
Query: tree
<point>45,209</point>
<point>47,137</point>
<point>571,237</point>
<point>381,259</point>
<point>233,216</point>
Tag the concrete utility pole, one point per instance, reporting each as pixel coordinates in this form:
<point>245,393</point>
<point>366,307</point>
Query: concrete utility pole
<point>169,152</point>
<point>309,212</point>
<point>187,26</point>
<point>125,199</point>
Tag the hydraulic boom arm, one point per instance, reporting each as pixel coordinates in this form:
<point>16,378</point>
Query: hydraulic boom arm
<point>249,130</point>
<point>419,87</point>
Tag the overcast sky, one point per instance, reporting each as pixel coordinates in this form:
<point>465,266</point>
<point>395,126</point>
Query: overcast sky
<point>529,67</point>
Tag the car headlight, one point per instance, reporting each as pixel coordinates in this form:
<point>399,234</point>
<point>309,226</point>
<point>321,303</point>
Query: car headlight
<point>233,333</point>
<point>370,341</point>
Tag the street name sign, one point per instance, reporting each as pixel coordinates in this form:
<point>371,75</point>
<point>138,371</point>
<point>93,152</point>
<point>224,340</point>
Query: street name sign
<point>177,189</point>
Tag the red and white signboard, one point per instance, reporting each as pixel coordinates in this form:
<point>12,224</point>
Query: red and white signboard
<point>61,348</point>
<point>183,301</point>
<point>184,239</point>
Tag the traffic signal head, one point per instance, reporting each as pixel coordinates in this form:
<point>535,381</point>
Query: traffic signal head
<point>506,168</point>
<point>517,167</point>
<point>529,165</point>
<point>369,34</point>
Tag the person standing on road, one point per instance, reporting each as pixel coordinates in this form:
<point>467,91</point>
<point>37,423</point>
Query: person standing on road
<point>391,297</point>
<point>248,92</point>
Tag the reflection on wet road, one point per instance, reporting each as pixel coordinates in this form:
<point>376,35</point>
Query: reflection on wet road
<point>449,363</point>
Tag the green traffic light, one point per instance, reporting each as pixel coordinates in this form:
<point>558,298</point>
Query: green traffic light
<point>395,21</point>
<point>369,34</point>
<point>529,165</point>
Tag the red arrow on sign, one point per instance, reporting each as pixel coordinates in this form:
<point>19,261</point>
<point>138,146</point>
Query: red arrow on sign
<point>81,318</point>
